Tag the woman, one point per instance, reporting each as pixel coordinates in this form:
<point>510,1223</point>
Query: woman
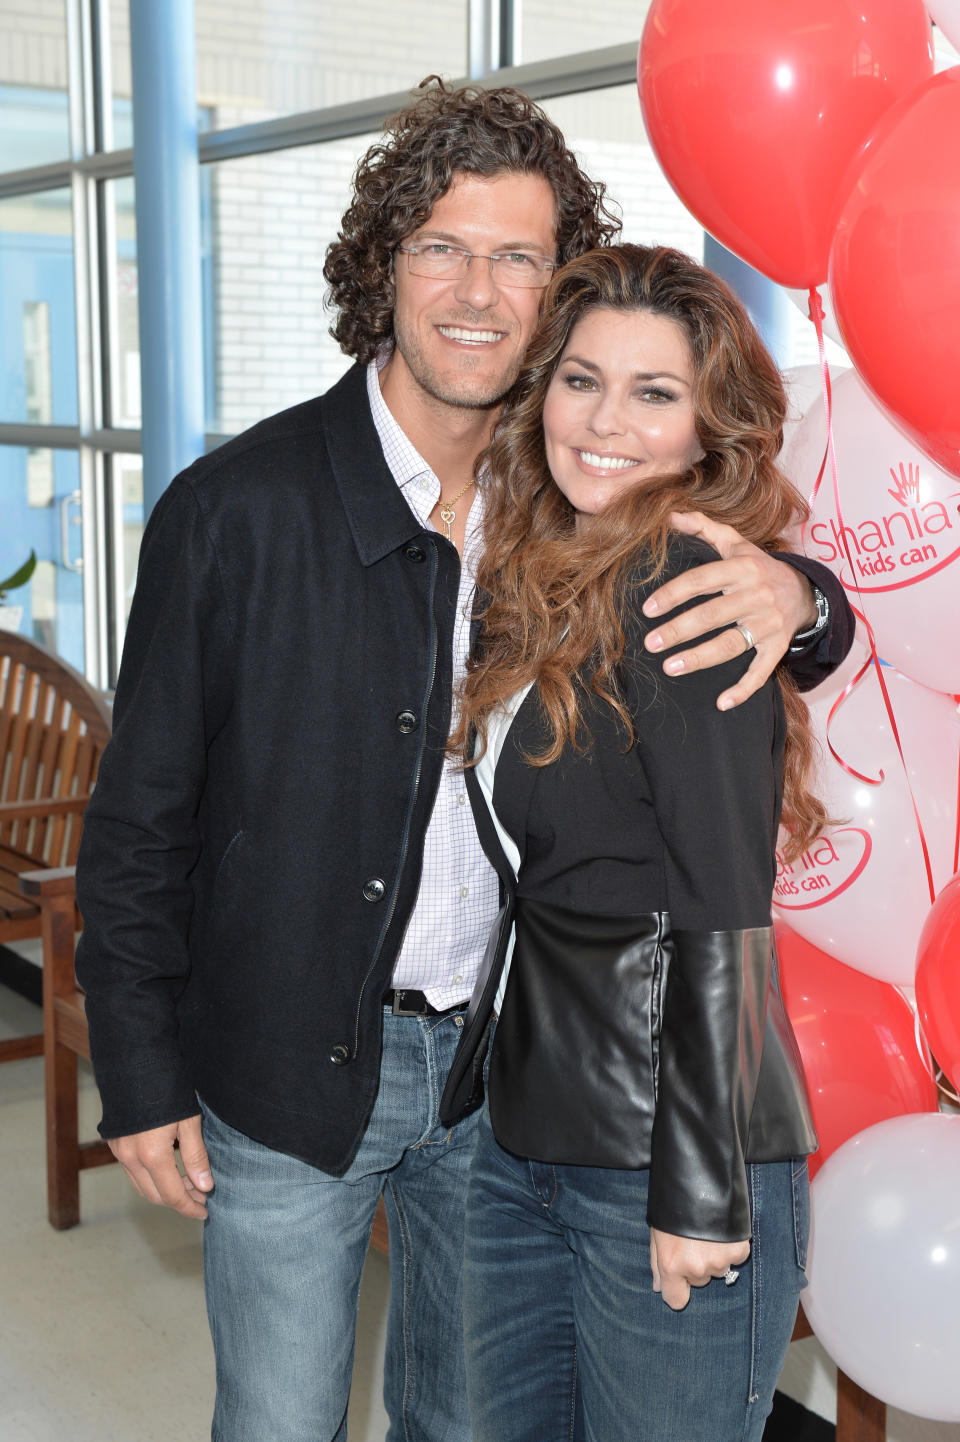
<point>638,1209</point>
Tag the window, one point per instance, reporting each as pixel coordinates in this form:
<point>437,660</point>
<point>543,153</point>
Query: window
<point>38,378</point>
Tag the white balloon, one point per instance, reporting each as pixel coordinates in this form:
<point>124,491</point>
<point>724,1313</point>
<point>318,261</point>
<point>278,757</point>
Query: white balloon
<point>804,387</point>
<point>860,891</point>
<point>884,1262</point>
<point>901,522</point>
<point>945,14</point>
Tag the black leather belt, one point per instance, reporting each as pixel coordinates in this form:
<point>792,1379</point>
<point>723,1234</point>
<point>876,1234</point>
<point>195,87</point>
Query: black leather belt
<point>414,1003</point>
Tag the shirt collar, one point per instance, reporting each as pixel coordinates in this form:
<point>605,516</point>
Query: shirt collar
<point>401,455</point>
<point>406,465</point>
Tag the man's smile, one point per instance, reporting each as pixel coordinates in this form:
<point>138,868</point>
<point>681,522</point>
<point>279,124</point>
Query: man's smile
<point>467,336</point>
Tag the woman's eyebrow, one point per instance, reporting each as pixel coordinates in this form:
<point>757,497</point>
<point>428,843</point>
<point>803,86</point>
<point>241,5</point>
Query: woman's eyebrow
<point>589,365</point>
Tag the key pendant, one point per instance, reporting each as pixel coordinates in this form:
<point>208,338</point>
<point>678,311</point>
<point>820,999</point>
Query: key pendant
<point>448,515</point>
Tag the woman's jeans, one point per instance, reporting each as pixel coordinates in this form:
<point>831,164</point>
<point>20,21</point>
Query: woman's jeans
<point>284,1247</point>
<point>565,1337</point>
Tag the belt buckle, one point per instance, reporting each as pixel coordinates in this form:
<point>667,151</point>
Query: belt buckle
<point>399,1010</point>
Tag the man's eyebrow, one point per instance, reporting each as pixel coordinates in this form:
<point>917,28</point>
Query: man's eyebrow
<point>434,234</point>
<point>429,232</point>
<point>589,365</point>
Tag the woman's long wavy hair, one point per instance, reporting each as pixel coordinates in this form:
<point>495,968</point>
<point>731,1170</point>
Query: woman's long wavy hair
<point>557,596</point>
<point>399,180</point>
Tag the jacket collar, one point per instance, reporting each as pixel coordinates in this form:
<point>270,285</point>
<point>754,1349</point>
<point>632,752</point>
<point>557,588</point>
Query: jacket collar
<point>379,518</point>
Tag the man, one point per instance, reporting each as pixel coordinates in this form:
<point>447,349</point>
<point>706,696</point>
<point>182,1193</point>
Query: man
<point>285,902</point>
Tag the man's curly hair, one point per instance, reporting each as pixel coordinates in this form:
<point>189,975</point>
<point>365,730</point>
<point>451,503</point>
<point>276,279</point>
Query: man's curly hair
<point>401,178</point>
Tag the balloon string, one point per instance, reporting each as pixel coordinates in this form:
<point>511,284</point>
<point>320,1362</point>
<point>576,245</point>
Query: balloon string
<point>925,1054</point>
<point>816,313</point>
<point>817,316</point>
<point>956,834</point>
<point>939,1077</point>
<point>888,706</point>
<point>848,690</point>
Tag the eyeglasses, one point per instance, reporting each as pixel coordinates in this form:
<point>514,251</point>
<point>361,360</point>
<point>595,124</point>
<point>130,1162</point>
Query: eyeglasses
<point>442,261</point>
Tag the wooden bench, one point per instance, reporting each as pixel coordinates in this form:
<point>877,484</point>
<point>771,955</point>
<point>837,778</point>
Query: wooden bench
<point>65,1038</point>
<point>53,728</point>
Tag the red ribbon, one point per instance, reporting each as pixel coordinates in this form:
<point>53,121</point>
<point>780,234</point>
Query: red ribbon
<point>956,837</point>
<point>848,690</point>
<point>817,316</point>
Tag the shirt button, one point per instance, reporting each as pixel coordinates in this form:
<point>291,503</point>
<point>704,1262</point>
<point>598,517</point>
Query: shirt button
<point>340,1054</point>
<point>406,722</point>
<point>461,799</point>
<point>464,891</point>
<point>423,483</point>
<point>374,889</point>
<point>458,979</point>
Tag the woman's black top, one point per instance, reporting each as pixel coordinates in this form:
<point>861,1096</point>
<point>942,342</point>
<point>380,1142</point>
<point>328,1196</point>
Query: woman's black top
<point>684,821</point>
<point>642,1022</point>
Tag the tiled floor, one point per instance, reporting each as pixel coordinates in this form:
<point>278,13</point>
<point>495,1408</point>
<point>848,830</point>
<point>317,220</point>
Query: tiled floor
<point>103,1336</point>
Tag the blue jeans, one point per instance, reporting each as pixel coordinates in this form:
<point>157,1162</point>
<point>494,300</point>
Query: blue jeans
<point>566,1338</point>
<point>284,1247</point>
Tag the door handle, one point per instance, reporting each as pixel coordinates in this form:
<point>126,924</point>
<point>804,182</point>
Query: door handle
<point>74,498</point>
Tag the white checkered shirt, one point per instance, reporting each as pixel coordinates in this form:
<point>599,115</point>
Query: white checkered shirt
<point>458,898</point>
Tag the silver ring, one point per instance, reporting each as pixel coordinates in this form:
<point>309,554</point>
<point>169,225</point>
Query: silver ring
<point>730,1276</point>
<point>746,633</point>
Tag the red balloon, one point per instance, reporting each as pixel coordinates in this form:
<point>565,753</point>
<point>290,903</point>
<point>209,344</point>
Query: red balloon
<point>857,1041</point>
<point>938,979</point>
<point>756,109</point>
<point>895,267</point>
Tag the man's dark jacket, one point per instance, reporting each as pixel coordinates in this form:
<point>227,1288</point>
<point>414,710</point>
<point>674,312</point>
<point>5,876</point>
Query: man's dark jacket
<point>253,848</point>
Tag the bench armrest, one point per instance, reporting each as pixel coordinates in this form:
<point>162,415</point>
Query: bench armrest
<point>57,881</point>
<point>47,806</point>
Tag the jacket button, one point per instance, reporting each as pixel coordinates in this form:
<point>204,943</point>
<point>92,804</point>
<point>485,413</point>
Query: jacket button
<point>374,889</point>
<point>415,553</point>
<point>406,722</point>
<point>340,1055</point>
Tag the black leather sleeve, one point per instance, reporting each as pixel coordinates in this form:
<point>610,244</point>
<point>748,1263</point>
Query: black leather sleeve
<point>710,1049</point>
<point>823,654</point>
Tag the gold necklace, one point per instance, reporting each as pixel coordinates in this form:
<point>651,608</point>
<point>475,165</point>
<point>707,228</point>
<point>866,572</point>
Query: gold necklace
<point>447,514</point>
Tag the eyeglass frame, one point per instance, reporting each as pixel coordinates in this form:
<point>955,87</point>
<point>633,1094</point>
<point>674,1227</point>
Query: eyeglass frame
<point>415,249</point>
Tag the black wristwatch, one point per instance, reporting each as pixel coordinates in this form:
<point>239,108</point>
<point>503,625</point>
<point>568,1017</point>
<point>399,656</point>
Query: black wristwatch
<point>803,638</point>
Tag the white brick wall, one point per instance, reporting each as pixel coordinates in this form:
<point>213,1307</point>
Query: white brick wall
<point>557,27</point>
<point>273,217</point>
<point>33,43</point>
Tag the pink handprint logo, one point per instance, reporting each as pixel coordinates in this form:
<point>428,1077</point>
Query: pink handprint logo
<point>906,484</point>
